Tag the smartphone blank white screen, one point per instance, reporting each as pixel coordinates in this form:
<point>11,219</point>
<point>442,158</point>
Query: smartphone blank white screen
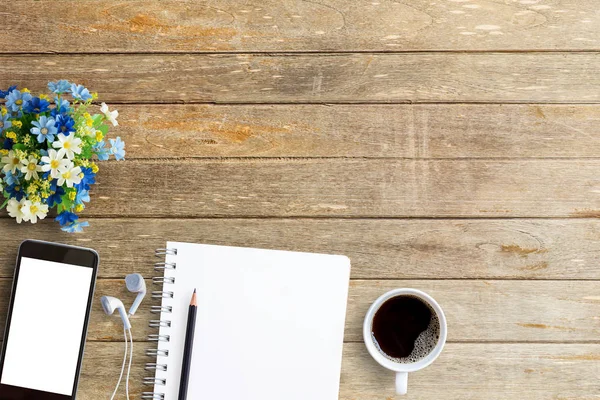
<point>46,326</point>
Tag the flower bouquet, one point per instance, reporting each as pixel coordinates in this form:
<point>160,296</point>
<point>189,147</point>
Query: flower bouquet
<point>48,148</point>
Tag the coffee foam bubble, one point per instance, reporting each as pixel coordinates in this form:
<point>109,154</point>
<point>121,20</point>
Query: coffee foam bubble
<point>424,344</point>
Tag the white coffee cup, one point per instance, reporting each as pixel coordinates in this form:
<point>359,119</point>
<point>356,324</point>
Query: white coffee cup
<point>402,369</point>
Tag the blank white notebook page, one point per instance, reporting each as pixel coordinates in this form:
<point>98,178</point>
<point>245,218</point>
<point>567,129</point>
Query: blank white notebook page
<point>270,324</point>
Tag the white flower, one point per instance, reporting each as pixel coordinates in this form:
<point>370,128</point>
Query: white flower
<point>33,211</point>
<point>54,163</point>
<point>15,210</point>
<point>67,145</point>
<point>70,175</point>
<point>30,168</point>
<point>12,162</point>
<point>110,115</point>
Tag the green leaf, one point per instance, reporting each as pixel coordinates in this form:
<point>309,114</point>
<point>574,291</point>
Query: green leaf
<point>97,118</point>
<point>104,129</point>
<point>19,146</point>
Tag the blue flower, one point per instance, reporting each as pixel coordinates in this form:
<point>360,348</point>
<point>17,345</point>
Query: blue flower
<point>4,122</point>
<point>75,227</point>
<point>61,110</point>
<point>62,86</point>
<point>82,196</point>
<point>56,196</point>
<point>79,92</point>
<point>89,178</point>
<point>101,151</point>
<point>65,124</point>
<point>15,100</point>
<point>16,191</point>
<point>3,93</point>
<point>7,144</point>
<point>12,179</point>
<point>44,129</point>
<point>63,107</point>
<point>117,148</point>
<point>36,106</point>
<point>66,218</point>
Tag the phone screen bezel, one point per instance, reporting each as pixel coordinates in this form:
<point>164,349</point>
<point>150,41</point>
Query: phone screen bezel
<point>60,253</point>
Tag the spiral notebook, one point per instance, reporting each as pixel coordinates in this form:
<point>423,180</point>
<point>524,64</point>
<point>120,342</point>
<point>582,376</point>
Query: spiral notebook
<point>270,324</point>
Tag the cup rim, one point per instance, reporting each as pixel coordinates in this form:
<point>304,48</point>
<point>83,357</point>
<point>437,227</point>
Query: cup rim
<point>386,362</point>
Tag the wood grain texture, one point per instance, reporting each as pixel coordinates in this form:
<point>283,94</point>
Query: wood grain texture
<point>477,311</point>
<point>323,78</point>
<point>327,25</point>
<point>378,249</point>
<point>462,372</point>
<point>407,131</point>
<point>373,188</point>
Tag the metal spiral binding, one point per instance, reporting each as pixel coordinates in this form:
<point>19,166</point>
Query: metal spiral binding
<point>161,309</point>
<point>155,381</point>
<point>156,323</point>
<point>160,294</point>
<point>159,338</point>
<point>157,352</point>
<point>158,280</point>
<point>153,396</point>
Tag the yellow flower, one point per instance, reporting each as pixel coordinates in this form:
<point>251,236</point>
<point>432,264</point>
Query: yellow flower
<point>3,152</point>
<point>99,136</point>
<point>79,208</point>
<point>95,168</point>
<point>35,198</point>
<point>21,155</point>
<point>45,195</point>
<point>94,95</point>
<point>88,120</point>
<point>3,110</point>
<point>17,124</point>
<point>32,188</point>
<point>72,195</point>
<point>26,139</point>
<point>25,90</point>
<point>44,97</point>
<point>11,135</point>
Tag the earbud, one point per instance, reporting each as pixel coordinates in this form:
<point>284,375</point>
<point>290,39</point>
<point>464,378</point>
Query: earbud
<point>110,304</point>
<point>135,283</point>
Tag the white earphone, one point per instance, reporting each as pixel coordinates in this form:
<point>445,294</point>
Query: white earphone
<point>135,283</point>
<point>110,304</point>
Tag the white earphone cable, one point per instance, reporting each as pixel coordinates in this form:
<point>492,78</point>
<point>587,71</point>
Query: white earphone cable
<point>129,367</point>
<point>122,366</point>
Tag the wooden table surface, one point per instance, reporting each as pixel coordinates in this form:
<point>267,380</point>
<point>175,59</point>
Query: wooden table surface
<point>451,146</point>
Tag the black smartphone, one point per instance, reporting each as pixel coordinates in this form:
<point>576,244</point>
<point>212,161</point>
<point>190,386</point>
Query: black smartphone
<point>52,292</point>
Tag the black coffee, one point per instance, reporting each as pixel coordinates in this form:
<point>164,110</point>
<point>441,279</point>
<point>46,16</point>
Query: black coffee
<point>405,329</point>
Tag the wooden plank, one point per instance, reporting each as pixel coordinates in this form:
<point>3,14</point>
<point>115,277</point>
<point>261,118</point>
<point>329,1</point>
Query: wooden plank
<point>227,25</point>
<point>499,311</point>
<point>365,188</point>
<point>391,249</point>
<point>518,311</point>
<point>408,131</point>
<point>322,78</point>
<point>463,372</point>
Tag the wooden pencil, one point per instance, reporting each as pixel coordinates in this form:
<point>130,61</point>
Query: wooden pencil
<point>187,350</point>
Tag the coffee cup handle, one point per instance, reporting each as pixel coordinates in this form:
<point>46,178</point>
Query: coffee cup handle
<point>401,382</point>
